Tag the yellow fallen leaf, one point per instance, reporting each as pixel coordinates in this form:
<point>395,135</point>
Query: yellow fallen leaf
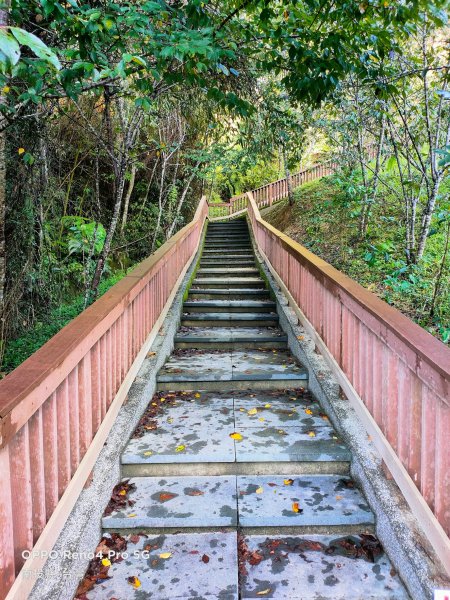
<point>123,493</point>
<point>20,151</point>
<point>148,453</point>
<point>308,411</point>
<point>259,490</point>
<point>261,419</point>
<point>165,555</point>
<point>242,409</point>
<point>267,405</point>
<point>134,581</point>
<point>288,481</point>
<point>300,337</point>
<point>311,434</point>
<point>263,592</point>
<point>236,436</point>
<point>295,507</point>
<point>132,515</point>
<point>252,411</point>
<point>6,89</point>
<point>197,395</point>
<point>170,420</point>
<point>150,354</point>
<point>180,448</point>
<point>106,562</point>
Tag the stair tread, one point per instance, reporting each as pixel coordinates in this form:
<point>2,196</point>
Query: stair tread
<point>223,316</point>
<point>262,501</point>
<point>202,427</point>
<point>251,365</point>
<point>183,575</point>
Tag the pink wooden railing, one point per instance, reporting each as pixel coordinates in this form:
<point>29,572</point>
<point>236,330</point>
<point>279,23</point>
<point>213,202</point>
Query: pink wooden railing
<point>399,371</point>
<point>272,192</point>
<point>53,404</point>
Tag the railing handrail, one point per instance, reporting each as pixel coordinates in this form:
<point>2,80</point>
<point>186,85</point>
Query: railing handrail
<point>41,373</point>
<point>431,350</point>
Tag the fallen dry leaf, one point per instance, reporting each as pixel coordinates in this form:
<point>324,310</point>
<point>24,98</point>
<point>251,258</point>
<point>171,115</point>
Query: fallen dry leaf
<point>259,490</point>
<point>288,481</point>
<point>267,406</point>
<point>296,508</point>
<point>194,493</point>
<point>205,559</point>
<point>264,592</point>
<point>308,411</point>
<point>165,496</point>
<point>134,581</point>
<point>236,436</point>
<point>106,562</point>
<point>311,434</point>
<point>165,555</point>
<point>180,448</point>
<point>252,411</point>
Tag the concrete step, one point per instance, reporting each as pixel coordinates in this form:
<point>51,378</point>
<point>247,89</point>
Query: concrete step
<point>232,338</point>
<point>193,565</point>
<point>174,502</point>
<point>227,245</point>
<point>234,271</point>
<point>257,369</point>
<point>241,306</point>
<point>308,567</point>
<point>235,294</point>
<point>279,432</point>
<point>221,263</point>
<point>233,253</point>
<point>234,319</point>
<point>161,504</point>
<point>228,283</point>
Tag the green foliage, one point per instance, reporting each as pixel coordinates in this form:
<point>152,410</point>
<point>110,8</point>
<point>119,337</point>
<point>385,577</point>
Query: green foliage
<point>320,222</point>
<point>84,237</point>
<point>31,339</point>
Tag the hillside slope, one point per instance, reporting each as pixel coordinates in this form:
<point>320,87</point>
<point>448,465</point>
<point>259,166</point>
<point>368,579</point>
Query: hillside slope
<point>320,221</point>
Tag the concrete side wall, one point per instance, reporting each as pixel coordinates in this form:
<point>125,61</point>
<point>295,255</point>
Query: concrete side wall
<point>82,532</point>
<point>396,526</point>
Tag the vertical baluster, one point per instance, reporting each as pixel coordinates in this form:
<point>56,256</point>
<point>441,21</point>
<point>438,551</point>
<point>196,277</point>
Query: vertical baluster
<point>442,489</point>
<point>429,448</point>
<point>49,423</point>
<point>7,567</point>
<point>85,403</point>
<point>36,442</point>
<point>96,386</point>
<point>19,465</point>
<point>63,432</point>
<point>74,420</point>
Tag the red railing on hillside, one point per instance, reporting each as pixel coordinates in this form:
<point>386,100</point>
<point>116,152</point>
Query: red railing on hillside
<point>399,372</point>
<point>272,192</point>
<point>53,405</point>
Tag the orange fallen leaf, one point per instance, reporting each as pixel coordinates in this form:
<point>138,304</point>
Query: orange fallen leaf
<point>288,481</point>
<point>123,493</point>
<point>194,493</point>
<point>338,497</point>
<point>165,496</point>
<point>205,559</point>
<point>308,411</point>
<point>296,507</point>
<point>151,354</point>
<point>300,337</point>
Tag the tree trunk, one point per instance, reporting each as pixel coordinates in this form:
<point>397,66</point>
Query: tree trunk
<point>287,174</point>
<point>127,197</point>
<point>3,22</point>
<point>440,274</point>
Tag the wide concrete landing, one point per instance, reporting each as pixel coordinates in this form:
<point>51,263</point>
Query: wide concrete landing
<point>195,566</point>
<point>159,502</point>
<point>316,567</point>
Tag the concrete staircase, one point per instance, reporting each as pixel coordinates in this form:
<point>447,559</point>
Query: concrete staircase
<point>235,483</point>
